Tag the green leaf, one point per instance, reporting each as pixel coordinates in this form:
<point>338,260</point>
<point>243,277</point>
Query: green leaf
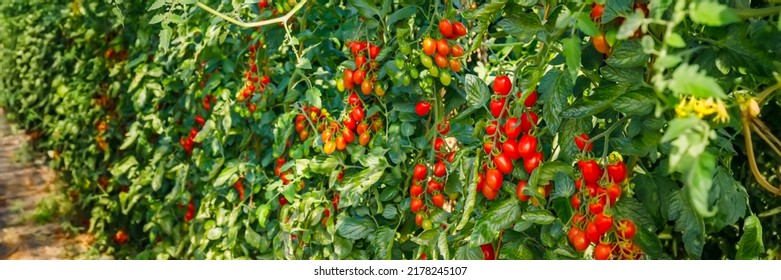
<point>750,246</point>
<point>563,186</point>
<point>226,175</point>
<point>365,8</point>
<point>572,54</point>
<point>731,200</point>
<point>653,191</point>
<point>382,241</point>
<point>640,103</point>
<point>124,166</point>
<point>484,232</point>
<point>214,233</point>
<point>156,5</point>
<point>555,88</point>
<point>623,75</point>
<point>515,250</point>
<point>675,40</point>
<point>586,25</point>
<point>630,25</point>
<point>596,103</point>
<point>389,212</point>
<point>688,80</point>
<point>687,223</point>
<point>262,213</point>
<point>400,14</point>
<point>356,228</point>
<point>540,217</point>
<point>205,131</point>
<point>699,181</point>
<point>354,186</point>
<point>712,13</point>
<point>477,94</point>
<point>323,164</point>
<point>503,214</point>
<point>677,127</point>
<point>616,8</point>
<point>468,253</point>
<point>627,54</point>
<point>487,10</point>
<point>442,245</point>
<point>521,25</point>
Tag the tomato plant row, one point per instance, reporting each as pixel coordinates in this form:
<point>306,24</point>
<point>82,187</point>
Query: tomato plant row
<point>406,129</point>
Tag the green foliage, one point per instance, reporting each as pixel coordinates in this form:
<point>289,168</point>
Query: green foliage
<point>151,108</point>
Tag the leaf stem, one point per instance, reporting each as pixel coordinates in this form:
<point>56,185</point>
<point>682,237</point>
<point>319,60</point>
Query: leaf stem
<point>752,162</point>
<point>759,12</point>
<point>281,19</point>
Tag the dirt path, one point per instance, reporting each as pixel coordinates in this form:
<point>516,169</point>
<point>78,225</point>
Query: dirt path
<point>24,185</point>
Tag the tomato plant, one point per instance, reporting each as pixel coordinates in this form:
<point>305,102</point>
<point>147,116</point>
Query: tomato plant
<point>374,129</point>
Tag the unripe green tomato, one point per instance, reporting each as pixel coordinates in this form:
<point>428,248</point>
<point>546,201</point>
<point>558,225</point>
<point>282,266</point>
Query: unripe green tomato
<point>236,109</point>
<point>257,115</point>
<point>433,71</point>
<point>445,78</point>
<point>407,80</point>
<point>428,80</point>
<point>426,224</point>
<point>414,72</point>
<point>610,36</point>
<point>399,62</point>
<point>340,84</point>
<point>292,3</point>
<point>426,60</point>
<point>405,48</point>
<point>286,7</point>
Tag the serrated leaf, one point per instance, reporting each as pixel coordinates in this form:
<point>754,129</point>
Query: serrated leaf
<point>750,246</point>
<point>226,175</point>
<point>555,88</point>
<point>632,75</point>
<point>635,103</point>
<point>687,223</point>
<point>586,25</point>
<point>596,103</point>
<point>540,217</point>
<point>400,14</point>
<point>487,10</point>
<point>365,8</point>
<point>214,233</point>
<point>382,241</point>
<point>356,228</point>
<point>675,40</point>
<point>515,250</point>
<point>630,25</point>
<point>616,8</point>
<point>730,199</point>
<point>627,54</point>
<point>688,80</point>
<point>262,214</point>
<point>477,94</point>
<point>521,25</point>
<point>712,13</point>
<point>572,55</point>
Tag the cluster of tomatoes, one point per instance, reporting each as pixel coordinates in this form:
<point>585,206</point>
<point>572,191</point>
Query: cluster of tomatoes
<point>366,67</point>
<point>188,142</point>
<point>336,136</point>
<point>445,56</point>
<point>302,124</point>
<point>600,40</point>
<point>598,189</point>
<point>190,214</point>
<point>434,185</point>
<point>254,83</point>
<point>509,139</point>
